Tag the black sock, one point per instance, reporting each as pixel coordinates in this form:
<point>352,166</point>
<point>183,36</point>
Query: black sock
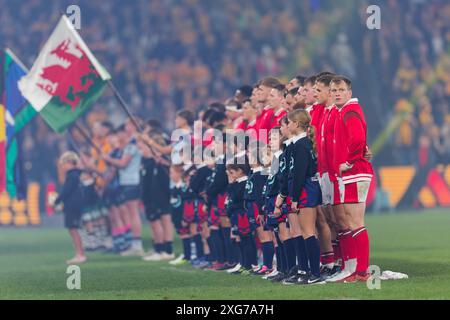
<point>249,251</point>
<point>278,252</point>
<point>199,246</point>
<point>159,247</point>
<point>168,247</point>
<point>281,257</point>
<point>218,245</point>
<point>245,254</point>
<point>313,250</point>
<point>212,250</point>
<point>187,248</point>
<point>289,251</point>
<point>236,253</point>
<point>241,252</point>
<point>268,252</point>
<point>226,243</point>
<point>302,256</point>
<point>253,252</point>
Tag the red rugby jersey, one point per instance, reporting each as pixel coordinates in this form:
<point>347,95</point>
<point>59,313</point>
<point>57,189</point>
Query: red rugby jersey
<point>280,113</point>
<point>316,112</point>
<point>252,129</point>
<point>266,118</point>
<point>242,125</point>
<point>325,146</point>
<point>350,141</point>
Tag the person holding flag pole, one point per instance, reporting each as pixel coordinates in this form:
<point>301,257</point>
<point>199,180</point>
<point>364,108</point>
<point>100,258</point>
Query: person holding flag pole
<point>62,92</point>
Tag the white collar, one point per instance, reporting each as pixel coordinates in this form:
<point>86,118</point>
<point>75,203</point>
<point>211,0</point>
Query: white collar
<point>242,179</point>
<point>198,166</point>
<point>219,158</point>
<point>257,169</point>
<point>251,123</point>
<point>298,137</point>
<point>309,108</point>
<point>352,100</point>
<point>278,154</point>
<point>288,142</point>
<point>186,167</point>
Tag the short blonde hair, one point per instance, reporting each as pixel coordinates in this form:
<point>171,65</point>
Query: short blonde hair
<point>69,156</point>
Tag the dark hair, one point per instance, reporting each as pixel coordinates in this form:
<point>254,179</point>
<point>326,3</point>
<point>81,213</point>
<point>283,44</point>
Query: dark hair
<point>300,79</point>
<point>217,106</point>
<point>324,73</point>
<point>311,80</point>
<point>325,79</point>
<point>108,125</point>
<point>237,167</point>
<point>220,127</point>
<point>186,115</point>
<point>154,123</point>
<point>216,117</point>
<point>207,114</point>
<point>339,79</point>
<point>246,90</point>
<point>280,87</point>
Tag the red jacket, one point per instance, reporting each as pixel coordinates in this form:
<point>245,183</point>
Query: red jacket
<point>325,147</point>
<point>316,113</point>
<point>350,143</point>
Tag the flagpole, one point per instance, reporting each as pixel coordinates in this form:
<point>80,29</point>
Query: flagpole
<point>123,105</point>
<point>86,137</point>
<point>75,147</point>
<point>127,110</point>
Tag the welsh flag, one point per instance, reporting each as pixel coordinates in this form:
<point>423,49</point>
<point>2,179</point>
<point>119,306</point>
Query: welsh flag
<point>65,79</point>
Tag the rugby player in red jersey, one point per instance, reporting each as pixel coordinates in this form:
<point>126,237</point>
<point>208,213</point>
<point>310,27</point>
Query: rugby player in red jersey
<point>354,175</point>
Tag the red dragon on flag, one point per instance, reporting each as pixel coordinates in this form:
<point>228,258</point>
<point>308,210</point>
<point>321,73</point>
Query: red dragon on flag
<point>70,78</point>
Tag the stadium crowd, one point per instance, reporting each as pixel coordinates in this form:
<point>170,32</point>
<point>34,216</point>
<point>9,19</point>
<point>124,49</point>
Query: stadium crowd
<point>168,55</point>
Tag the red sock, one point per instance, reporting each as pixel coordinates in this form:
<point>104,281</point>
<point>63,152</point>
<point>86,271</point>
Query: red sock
<point>361,237</point>
<point>342,249</point>
<point>327,258</point>
<point>348,245</point>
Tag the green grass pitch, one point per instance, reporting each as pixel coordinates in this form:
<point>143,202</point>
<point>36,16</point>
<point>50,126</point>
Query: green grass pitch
<point>32,267</point>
